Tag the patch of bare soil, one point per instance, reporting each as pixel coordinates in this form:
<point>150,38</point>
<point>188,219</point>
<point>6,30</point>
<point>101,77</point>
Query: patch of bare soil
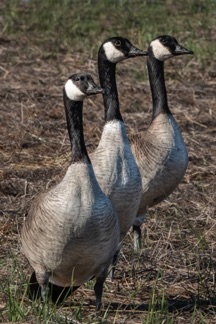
<point>178,258</point>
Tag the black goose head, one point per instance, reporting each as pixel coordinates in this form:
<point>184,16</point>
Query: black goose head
<point>164,47</point>
<point>117,49</point>
<point>80,85</point>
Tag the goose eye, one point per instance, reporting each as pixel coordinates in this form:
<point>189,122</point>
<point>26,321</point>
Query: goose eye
<point>117,43</point>
<point>164,41</point>
<point>77,79</point>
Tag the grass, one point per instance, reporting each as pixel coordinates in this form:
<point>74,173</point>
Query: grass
<point>81,26</point>
<point>172,280</point>
<point>17,307</point>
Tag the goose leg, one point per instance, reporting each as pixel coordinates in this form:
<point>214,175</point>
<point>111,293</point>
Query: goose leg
<point>58,294</point>
<point>34,289</point>
<point>113,266</point>
<point>137,237</point>
<point>98,288</point>
<point>43,280</point>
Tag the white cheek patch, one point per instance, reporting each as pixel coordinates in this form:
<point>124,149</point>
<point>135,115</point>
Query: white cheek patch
<point>73,92</point>
<point>112,53</point>
<point>160,51</point>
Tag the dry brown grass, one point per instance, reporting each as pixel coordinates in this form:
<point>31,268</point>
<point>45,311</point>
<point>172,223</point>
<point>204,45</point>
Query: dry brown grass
<point>178,259</point>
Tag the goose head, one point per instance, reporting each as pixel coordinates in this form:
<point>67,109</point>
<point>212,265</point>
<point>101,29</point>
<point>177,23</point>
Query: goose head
<point>164,47</point>
<point>117,49</point>
<point>80,85</point>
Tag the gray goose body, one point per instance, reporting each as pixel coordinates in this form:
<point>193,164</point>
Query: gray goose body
<point>160,151</point>
<point>71,232</point>
<point>162,158</point>
<point>113,161</point>
<point>120,181</point>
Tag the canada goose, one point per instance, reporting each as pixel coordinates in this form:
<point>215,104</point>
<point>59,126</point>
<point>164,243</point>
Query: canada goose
<point>71,232</point>
<point>113,162</point>
<point>160,151</point>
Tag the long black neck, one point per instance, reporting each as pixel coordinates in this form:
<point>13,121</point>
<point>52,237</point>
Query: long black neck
<point>158,87</point>
<point>73,111</point>
<point>108,83</point>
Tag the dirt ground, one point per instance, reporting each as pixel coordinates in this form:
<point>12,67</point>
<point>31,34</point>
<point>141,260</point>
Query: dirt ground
<point>178,257</point>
